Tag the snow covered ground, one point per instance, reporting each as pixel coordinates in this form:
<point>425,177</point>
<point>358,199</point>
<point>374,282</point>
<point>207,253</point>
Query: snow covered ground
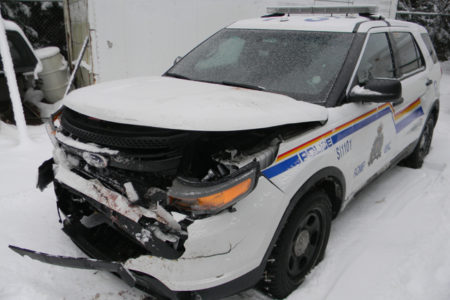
<point>392,242</point>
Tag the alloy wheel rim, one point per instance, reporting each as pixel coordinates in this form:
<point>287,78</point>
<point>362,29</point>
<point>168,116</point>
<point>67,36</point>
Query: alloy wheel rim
<point>305,245</point>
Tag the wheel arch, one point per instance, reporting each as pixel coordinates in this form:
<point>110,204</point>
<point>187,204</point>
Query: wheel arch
<point>331,180</point>
<point>434,111</point>
<point>333,185</point>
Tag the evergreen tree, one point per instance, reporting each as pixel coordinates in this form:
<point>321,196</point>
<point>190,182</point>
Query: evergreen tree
<point>42,22</point>
<point>438,26</point>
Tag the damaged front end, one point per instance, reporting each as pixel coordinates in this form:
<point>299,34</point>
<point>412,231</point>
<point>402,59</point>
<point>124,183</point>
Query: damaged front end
<point>159,207</point>
<point>152,183</point>
<point>126,191</point>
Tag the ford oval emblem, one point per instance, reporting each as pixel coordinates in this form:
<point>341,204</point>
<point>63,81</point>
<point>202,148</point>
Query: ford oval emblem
<point>95,160</point>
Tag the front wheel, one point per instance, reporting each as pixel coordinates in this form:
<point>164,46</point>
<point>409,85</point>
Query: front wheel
<point>300,246</point>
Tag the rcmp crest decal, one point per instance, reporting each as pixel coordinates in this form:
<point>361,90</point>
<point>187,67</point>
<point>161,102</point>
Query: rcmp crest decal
<point>375,153</point>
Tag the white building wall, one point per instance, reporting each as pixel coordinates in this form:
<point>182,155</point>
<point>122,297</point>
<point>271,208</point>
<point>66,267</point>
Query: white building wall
<point>143,37</point>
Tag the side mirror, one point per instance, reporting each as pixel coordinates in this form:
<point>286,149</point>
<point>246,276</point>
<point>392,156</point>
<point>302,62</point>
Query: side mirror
<point>377,90</point>
<point>177,60</point>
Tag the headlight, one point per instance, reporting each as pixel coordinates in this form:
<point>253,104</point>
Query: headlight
<point>50,126</point>
<point>212,197</point>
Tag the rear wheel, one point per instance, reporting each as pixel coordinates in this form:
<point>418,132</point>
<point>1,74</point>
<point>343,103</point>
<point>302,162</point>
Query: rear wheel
<point>415,159</point>
<point>300,246</point>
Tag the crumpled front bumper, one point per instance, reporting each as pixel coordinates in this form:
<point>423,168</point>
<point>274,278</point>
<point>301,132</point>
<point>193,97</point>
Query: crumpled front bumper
<point>134,279</point>
<point>79,263</point>
<point>223,253</point>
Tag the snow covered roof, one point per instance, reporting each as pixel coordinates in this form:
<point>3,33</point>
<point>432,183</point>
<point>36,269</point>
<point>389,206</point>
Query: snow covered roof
<point>336,23</point>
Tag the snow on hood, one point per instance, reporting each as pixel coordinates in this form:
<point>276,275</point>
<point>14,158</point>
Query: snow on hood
<point>189,105</point>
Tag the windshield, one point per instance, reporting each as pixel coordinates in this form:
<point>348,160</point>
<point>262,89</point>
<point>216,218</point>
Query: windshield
<point>299,64</point>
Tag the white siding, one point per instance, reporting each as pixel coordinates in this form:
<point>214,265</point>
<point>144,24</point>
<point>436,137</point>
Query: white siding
<point>143,37</point>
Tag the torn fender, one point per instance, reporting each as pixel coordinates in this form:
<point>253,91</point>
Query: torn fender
<point>46,175</point>
<point>79,263</point>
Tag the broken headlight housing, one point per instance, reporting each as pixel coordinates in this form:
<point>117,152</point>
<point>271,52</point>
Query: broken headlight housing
<point>200,198</point>
<point>51,126</point>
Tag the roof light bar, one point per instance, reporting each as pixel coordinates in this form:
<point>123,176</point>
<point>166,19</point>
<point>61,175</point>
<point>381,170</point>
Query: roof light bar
<point>369,9</point>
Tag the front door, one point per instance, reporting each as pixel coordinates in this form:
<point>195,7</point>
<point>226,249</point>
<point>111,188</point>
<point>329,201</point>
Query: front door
<point>373,143</point>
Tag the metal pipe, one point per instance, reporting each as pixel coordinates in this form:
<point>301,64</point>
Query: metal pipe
<point>421,13</point>
<point>77,64</point>
<point>10,74</point>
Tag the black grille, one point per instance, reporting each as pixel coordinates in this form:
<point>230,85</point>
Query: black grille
<point>117,135</point>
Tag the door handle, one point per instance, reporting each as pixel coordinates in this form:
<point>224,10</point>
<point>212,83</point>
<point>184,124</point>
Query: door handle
<point>429,82</point>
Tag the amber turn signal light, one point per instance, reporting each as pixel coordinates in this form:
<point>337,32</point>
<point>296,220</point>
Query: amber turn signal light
<point>210,198</point>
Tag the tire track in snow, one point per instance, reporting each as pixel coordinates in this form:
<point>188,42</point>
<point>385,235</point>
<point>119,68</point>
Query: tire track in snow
<point>356,232</point>
<point>427,256</point>
<point>392,228</point>
<point>420,181</point>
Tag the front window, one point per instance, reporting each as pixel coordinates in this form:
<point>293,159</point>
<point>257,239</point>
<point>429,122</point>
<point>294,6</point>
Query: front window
<point>376,61</point>
<point>299,64</point>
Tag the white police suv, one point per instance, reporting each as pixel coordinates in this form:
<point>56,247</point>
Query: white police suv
<point>227,170</point>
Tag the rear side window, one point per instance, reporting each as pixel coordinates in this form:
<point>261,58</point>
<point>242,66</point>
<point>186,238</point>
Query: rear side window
<point>410,58</point>
<point>430,48</point>
<point>376,61</point>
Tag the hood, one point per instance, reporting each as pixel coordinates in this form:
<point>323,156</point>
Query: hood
<point>172,103</point>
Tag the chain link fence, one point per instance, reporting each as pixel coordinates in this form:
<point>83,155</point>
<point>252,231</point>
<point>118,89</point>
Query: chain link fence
<point>41,20</point>
<point>43,24</point>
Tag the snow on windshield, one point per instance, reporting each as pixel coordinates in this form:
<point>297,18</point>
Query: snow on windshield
<point>300,64</point>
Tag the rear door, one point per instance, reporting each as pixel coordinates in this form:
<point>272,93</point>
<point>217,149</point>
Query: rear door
<point>431,61</point>
<point>416,88</point>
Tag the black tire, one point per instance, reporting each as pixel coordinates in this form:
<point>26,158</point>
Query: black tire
<point>301,245</point>
<point>415,159</point>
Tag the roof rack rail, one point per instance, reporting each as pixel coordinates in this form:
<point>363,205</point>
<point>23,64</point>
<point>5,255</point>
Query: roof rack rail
<point>362,10</point>
<point>373,17</point>
<point>273,15</point>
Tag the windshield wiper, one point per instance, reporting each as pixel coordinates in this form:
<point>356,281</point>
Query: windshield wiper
<point>244,85</point>
<point>175,75</point>
<point>229,83</point>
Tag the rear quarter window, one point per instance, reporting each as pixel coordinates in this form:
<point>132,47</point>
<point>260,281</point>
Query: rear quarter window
<point>409,57</point>
<point>430,48</point>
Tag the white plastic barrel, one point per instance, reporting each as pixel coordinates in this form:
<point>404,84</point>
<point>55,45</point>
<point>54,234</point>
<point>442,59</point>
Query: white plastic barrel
<point>55,73</point>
